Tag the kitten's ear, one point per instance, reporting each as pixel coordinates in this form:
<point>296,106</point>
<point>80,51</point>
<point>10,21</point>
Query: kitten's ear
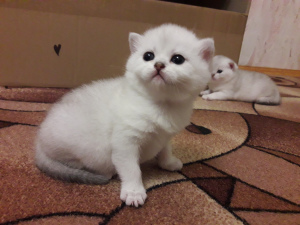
<point>207,49</point>
<point>134,40</point>
<point>233,66</point>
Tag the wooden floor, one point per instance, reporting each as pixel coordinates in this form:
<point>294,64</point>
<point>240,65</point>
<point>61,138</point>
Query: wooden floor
<point>272,71</point>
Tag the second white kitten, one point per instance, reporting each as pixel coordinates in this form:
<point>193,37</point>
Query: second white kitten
<point>230,83</point>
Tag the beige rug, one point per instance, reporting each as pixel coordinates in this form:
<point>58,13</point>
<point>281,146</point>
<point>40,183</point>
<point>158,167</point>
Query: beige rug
<point>241,166</point>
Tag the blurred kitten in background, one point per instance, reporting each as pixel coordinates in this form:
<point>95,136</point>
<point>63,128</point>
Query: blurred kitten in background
<point>230,83</point>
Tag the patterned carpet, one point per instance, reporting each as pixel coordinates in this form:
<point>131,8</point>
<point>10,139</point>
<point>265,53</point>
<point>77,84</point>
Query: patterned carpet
<point>242,169</point>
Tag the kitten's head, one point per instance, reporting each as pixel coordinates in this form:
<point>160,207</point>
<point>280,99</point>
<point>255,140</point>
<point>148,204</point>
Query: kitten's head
<point>223,68</point>
<point>169,62</point>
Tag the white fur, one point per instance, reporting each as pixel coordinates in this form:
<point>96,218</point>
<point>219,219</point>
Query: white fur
<point>111,126</point>
<point>240,85</point>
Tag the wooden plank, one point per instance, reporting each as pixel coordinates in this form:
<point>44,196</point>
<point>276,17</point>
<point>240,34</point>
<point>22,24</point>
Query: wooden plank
<point>272,71</point>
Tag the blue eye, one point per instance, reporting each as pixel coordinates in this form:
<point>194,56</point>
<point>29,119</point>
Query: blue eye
<point>177,59</point>
<point>148,56</point>
<point>219,71</point>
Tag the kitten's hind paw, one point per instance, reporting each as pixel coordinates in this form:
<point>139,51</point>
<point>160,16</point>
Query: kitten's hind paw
<point>172,164</point>
<point>133,198</point>
<point>268,101</point>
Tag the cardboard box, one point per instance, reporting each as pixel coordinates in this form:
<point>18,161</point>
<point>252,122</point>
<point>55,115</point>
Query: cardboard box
<point>55,43</point>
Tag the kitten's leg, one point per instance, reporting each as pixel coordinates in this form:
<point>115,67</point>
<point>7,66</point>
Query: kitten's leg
<point>167,161</point>
<point>216,96</point>
<point>127,165</point>
<point>206,92</point>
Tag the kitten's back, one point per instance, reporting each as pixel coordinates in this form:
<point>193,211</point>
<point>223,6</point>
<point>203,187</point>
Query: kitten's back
<point>258,86</point>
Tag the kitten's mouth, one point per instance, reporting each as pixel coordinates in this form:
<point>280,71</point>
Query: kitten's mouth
<point>158,77</point>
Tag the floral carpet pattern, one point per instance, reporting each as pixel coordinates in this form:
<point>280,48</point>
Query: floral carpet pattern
<point>241,166</point>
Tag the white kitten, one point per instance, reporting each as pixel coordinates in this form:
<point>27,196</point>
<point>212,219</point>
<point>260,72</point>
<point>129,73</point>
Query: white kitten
<point>230,83</point>
<point>111,126</point>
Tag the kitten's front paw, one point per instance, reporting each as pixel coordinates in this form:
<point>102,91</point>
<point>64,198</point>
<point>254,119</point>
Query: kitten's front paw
<point>133,197</point>
<point>206,92</point>
<point>206,97</point>
<point>172,164</point>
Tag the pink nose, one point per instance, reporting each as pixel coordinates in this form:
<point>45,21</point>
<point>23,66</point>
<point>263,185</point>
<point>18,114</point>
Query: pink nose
<point>159,66</point>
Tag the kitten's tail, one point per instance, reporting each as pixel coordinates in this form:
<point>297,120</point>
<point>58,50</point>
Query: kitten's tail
<point>58,170</point>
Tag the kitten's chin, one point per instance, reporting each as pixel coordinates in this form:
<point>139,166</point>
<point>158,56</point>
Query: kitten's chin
<point>171,92</point>
<point>158,79</point>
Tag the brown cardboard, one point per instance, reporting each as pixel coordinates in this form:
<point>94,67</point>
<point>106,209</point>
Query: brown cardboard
<point>93,35</point>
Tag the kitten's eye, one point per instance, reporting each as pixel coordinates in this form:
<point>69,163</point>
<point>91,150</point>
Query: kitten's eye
<point>219,71</point>
<point>148,56</point>
<point>178,59</point>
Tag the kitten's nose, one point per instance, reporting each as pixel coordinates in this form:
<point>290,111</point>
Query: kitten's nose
<point>159,66</point>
